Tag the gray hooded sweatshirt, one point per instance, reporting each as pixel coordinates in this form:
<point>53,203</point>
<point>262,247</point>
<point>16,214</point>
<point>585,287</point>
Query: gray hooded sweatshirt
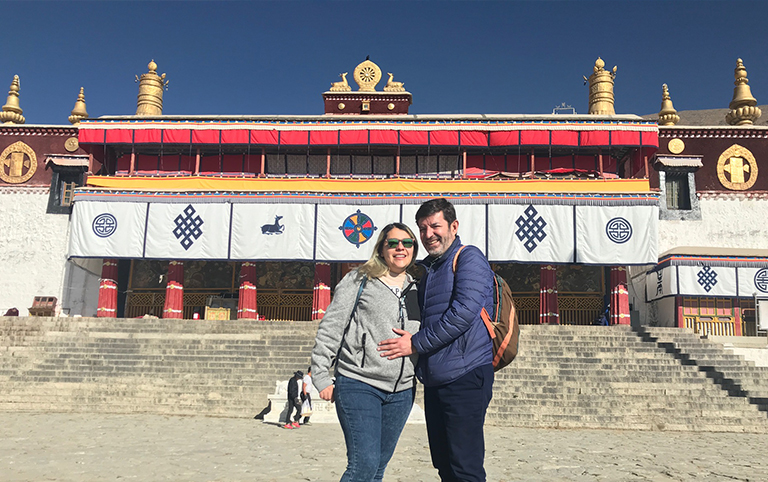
<point>378,312</point>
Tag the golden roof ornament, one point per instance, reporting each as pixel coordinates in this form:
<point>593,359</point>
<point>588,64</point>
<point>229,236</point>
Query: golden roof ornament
<point>393,86</point>
<point>601,98</point>
<point>151,85</point>
<point>367,75</point>
<point>11,113</point>
<point>667,115</point>
<point>79,111</point>
<point>341,86</point>
<point>743,107</point>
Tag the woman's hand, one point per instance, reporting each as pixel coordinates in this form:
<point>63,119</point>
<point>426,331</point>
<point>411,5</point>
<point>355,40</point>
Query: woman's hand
<point>396,347</point>
<point>327,394</point>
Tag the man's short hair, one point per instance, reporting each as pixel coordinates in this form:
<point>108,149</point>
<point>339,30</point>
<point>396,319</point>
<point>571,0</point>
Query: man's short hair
<point>434,206</point>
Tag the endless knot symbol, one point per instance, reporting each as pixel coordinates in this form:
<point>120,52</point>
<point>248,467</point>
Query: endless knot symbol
<point>530,229</point>
<point>357,228</point>
<point>707,278</point>
<point>104,225</point>
<point>188,227</point>
<point>618,230</point>
<point>761,280</point>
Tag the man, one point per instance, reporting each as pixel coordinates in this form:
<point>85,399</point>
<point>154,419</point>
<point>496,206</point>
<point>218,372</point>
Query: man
<point>294,401</point>
<point>455,351</point>
<point>305,395</point>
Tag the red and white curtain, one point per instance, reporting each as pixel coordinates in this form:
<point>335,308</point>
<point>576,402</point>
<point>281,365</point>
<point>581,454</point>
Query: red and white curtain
<point>246,304</point>
<point>107,307</point>
<point>174,291</point>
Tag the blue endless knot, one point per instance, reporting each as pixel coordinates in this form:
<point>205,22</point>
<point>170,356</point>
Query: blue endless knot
<point>618,230</point>
<point>104,225</point>
<point>530,229</point>
<point>188,227</point>
<point>707,278</point>
<point>761,280</point>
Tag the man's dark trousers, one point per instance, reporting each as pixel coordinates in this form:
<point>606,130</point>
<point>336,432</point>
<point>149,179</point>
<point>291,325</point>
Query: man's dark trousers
<point>455,414</point>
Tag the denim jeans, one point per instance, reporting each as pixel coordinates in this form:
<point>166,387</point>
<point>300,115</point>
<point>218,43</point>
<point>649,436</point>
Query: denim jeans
<point>372,421</point>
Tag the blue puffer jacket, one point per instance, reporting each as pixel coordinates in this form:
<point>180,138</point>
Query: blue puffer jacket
<point>453,339</point>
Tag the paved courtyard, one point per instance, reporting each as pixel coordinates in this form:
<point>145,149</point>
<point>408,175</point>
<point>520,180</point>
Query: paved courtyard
<point>97,447</point>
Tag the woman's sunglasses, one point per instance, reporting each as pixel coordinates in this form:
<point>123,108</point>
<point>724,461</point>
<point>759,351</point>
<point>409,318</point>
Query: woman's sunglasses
<point>393,243</point>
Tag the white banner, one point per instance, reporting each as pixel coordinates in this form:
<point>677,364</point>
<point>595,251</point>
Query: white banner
<point>707,281</point>
<point>472,226</point>
<point>188,231</point>
<point>616,235</point>
<point>348,233</point>
<point>273,231</point>
<point>528,233</point>
<point>753,281</point>
<point>661,283</point>
<point>107,230</point>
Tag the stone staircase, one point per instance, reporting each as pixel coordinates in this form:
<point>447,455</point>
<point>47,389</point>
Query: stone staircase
<point>564,376</point>
<point>598,377</point>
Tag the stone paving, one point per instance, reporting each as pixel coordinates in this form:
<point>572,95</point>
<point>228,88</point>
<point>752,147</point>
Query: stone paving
<point>88,447</point>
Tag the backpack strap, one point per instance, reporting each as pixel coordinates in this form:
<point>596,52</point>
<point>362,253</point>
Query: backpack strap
<point>484,313</point>
<point>351,315</point>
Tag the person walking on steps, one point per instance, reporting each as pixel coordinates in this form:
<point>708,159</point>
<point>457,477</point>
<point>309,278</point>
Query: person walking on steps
<point>294,400</point>
<point>373,395</point>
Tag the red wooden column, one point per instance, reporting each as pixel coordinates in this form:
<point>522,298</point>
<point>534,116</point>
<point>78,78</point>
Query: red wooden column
<point>737,321</point>
<point>548,309</point>
<point>321,293</point>
<point>107,307</point>
<point>246,304</point>
<point>174,291</point>
<point>679,312</point>
<point>619,296</point>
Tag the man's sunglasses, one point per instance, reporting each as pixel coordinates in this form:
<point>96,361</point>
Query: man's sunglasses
<point>393,243</point>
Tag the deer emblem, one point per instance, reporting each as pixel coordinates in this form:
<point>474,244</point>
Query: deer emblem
<point>274,228</point>
<point>342,86</point>
<point>393,86</point>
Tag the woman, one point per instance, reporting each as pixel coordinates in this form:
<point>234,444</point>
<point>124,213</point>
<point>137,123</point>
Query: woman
<point>373,395</point>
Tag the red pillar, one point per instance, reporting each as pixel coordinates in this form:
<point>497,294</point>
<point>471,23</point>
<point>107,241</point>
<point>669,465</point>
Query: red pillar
<point>174,291</point>
<point>246,304</point>
<point>548,309</point>
<point>321,294</point>
<point>619,296</point>
<point>737,318</point>
<point>108,290</point>
<point>679,314</point>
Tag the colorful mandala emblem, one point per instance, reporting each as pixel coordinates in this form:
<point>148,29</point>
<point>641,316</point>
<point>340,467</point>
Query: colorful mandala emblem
<point>358,228</point>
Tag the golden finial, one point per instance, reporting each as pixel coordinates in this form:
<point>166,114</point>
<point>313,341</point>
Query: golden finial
<point>151,87</point>
<point>667,115</point>
<point>79,111</point>
<point>11,113</point>
<point>601,82</point>
<point>743,106</point>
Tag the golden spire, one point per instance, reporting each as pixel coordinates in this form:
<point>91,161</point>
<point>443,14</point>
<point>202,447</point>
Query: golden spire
<point>743,106</point>
<point>151,87</point>
<point>667,115</point>
<point>79,111</point>
<point>601,97</point>
<point>11,113</point>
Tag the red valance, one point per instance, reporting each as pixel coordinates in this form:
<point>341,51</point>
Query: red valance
<point>323,138</point>
<point>565,138</point>
<point>263,137</point>
<point>444,138</point>
<point>176,136</point>
<point>595,138</point>
<point>474,138</point>
<point>234,137</point>
<point>205,137</point>
<point>388,137</point>
<point>294,138</point>
<point>120,136</point>
<point>353,137</point>
<point>510,138</point>
<point>144,136</point>
<point>91,136</point>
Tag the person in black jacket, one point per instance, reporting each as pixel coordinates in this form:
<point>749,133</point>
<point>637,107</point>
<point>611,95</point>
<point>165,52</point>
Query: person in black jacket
<point>294,400</point>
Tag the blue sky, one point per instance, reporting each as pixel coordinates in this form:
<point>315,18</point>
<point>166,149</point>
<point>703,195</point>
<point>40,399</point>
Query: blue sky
<point>269,57</point>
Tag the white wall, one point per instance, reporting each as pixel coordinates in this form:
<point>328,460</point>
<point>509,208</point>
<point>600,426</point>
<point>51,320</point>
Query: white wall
<point>33,248</point>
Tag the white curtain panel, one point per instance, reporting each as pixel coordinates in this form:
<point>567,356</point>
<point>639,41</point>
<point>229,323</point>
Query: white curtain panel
<point>107,230</point>
<point>707,280</point>
<point>661,283</point>
<point>273,231</point>
<point>753,282</point>
<point>349,232</point>
<point>530,233</point>
<point>188,231</point>
<point>616,235</point>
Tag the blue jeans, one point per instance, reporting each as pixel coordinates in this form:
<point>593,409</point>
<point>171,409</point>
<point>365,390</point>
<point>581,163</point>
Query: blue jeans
<point>372,421</point>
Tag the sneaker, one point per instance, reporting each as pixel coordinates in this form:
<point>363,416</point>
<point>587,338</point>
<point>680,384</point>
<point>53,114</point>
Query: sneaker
<point>295,425</point>
<point>288,425</point>
<point>307,423</point>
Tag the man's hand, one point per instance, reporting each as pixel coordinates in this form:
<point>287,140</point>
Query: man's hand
<point>396,347</point>
<point>327,394</point>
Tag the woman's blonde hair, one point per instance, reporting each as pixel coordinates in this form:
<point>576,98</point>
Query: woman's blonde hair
<point>375,266</point>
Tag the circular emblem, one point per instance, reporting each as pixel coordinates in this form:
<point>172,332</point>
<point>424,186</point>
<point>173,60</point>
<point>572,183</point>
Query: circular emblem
<point>391,106</point>
<point>737,168</point>
<point>71,144</point>
<point>367,75</point>
<point>676,146</point>
<point>618,230</point>
<point>358,228</point>
<point>104,225</point>
<point>18,163</point>
<point>341,105</point>
<point>761,280</point>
